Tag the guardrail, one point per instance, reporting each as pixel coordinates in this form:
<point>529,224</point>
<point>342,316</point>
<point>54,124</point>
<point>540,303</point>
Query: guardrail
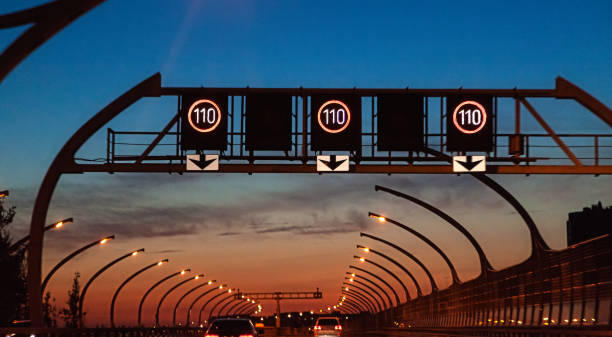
<point>100,332</point>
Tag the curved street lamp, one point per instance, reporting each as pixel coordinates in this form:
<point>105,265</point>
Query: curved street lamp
<point>241,308</point>
<point>365,299</point>
<point>485,265</point>
<point>237,300</point>
<point>353,276</point>
<point>352,280</point>
<point>182,272</point>
<point>434,287</point>
<point>348,306</point>
<point>98,273</point>
<point>212,310</point>
<point>455,277</point>
<point>359,299</point>
<point>161,300</point>
<point>363,259</point>
<point>365,292</point>
<point>384,256</point>
<point>24,241</point>
<point>356,305</point>
<point>397,300</point>
<point>235,306</point>
<point>185,295</point>
<point>197,299</point>
<point>248,309</point>
<point>112,308</point>
<point>69,257</point>
<point>210,300</point>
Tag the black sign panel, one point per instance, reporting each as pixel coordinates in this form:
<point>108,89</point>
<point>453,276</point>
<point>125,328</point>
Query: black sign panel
<point>335,122</point>
<point>204,122</point>
<point>268,122</point>
<point>400,122</point>
<point>469,123</point>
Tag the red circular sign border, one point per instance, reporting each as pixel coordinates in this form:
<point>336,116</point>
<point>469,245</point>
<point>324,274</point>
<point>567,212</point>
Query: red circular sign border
<point>348,111</point>
<point>212,128</point>
<point>484,117</point>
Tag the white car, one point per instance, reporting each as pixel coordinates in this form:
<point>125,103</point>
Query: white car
<point>327,326</point>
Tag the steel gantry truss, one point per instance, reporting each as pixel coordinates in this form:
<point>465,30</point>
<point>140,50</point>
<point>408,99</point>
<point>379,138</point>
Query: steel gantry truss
<point>281,295</point>
<point>301,159</point>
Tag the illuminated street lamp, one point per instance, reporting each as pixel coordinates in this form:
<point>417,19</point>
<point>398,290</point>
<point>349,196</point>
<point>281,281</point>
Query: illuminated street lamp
<point>372,290</point>
<point>4,194</point>
<point>182,272</point>
<point>355,276</point>
<point>240,302</point>
<point>197,277</point>
<point>365,292</point>
<point>358,298</point>
<point>69,257</point>
<point>358,293</point>
<point>98,273</point>
<point>384,256</point>
<point>112,308</point>
<point>25,240</point>
<point>197,299</point>
<point>185,295</point>
<point>455,278</point>
<point>205,304</point>
<point>212,310</point>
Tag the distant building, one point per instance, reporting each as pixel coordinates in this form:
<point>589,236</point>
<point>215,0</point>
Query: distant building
<point>590,223</point>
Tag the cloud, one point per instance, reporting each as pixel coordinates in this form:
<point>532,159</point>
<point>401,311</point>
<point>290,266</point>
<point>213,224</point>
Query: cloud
<point>229,233</point>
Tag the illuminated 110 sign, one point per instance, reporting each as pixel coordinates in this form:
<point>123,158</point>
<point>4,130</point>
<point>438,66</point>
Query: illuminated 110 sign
<point>334,116</point>
<point>204,115</point>
<point>469,117</point>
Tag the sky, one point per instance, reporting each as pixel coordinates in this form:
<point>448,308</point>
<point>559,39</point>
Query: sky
<point>269,232</point>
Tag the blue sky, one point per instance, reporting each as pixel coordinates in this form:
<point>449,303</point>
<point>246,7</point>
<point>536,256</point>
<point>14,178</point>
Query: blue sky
<point>386,44</point>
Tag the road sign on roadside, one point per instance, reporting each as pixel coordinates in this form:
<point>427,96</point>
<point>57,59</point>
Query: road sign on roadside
<point>469,164</point>
<point>332,163</point>
<point>207,162</point>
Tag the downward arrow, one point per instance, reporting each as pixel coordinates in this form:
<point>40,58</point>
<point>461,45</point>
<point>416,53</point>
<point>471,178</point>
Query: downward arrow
<point>202,163</point>
<point>468,163</point>
<point>332,163</point>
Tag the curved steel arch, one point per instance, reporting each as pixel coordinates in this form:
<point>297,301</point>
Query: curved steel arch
<point>361,295</point>
<point>153,287</point>
<point>187,294</point>
<point>358,306</point>
<point>225,306</point>
<point>374,284</point>
<point>247,309</point>
<point>453,271</point>
<point>485,265</point>
<point>414,281</point>
<point>64,163</point>
<point>364,291</point>
<point>434,287</point>
<point>347,304</point>
<point>235,306</point>
<point>397,300</point>
<point>241,308</point>
<point>47,19</point>
<point>382,299</point>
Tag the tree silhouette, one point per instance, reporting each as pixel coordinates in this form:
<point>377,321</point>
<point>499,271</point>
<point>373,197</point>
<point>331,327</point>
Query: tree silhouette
<point>49,311</point>
<point>70,315</point>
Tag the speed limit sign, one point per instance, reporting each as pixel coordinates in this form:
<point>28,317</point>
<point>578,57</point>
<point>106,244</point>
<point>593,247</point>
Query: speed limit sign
<point>468,126</point>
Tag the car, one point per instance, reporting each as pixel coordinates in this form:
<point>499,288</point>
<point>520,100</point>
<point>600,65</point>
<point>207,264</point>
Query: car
<point>231,327</point>
<point>327,326</point>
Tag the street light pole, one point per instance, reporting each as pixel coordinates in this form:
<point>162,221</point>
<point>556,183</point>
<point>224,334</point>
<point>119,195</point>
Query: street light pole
<point>365,292</point>
<point>363,259</point>
<point>354,275</point>
<point>23,242</point>
<point>361,295</point>
<point>98,273</point>
<point>352,280</point>
<point>69,257</point>
<point>188,323</point>
<point>359,299</point>
<point>205,304</point>
<point>453,271</point>
<point>168,293</point>
<point>182,272</point>
<point>112,308</point>
<point>185,295</point>
<point>212,310</point>
<point>384,256</point>
<point>434,287</point>
<point>397,300</point>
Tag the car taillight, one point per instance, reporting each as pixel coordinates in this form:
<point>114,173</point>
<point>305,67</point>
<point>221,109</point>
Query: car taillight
<point>245,336</point>
<point>317,327</point>
<point>211,335</point>
<point>338,327</point>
